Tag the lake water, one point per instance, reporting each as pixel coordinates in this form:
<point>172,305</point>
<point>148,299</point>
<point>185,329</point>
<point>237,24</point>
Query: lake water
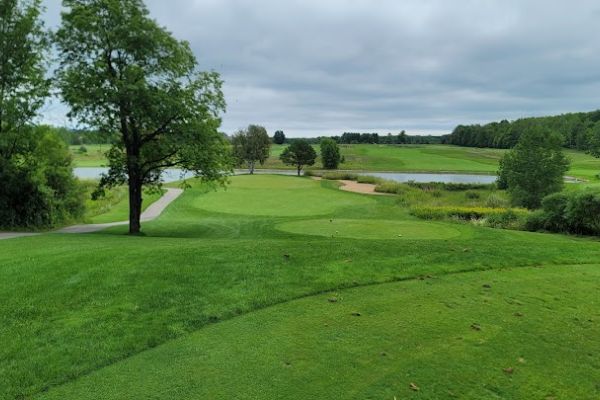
<point>426,178</point>
<point>172,175</point>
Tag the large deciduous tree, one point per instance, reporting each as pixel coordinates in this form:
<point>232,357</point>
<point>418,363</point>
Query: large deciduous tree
<point>122,72</point>
<point>534,169</point>
<point>330,153</point>
<point>23,86</point>
<point>299,154</point>
<point>250,146</point>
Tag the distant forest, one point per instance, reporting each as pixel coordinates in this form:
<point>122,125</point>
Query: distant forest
<point>580,131</point>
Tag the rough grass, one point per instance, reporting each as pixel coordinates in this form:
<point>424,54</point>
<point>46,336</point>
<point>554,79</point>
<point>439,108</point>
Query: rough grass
<point>114,206</point>
<point>72,305</point>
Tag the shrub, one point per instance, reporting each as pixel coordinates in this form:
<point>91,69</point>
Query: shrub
<point>472,195</point>
<point>582,212</point>
<point>450,186</point>
<point>340,175</point>
<point>466,213</point>
<point>368,179</point>
<point>508,219</point>
<point>390,187</point>
<point>535,221</point>
<point>495,201</point>
<point>554,207</point>
<point>82,150</point>
<point>40,191</point>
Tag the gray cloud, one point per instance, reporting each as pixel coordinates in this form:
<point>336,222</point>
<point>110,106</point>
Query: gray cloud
<point>314,67</point>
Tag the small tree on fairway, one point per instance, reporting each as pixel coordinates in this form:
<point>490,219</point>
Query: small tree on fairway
<point>250,146</point>
<point>330,153</point>
<point>299,154</point>
<point>534,169</point>
<point>279,137</point>
<point>122,72</point>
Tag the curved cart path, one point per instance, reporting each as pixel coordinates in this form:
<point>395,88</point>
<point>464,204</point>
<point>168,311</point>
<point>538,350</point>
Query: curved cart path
<point>152,212</point>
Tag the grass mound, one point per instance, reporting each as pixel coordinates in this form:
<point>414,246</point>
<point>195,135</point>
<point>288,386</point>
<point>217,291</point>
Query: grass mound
<point>370,229</point>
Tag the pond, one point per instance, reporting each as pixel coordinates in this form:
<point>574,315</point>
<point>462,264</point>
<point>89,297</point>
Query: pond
<point>170,175</point>
<point>426,178</point>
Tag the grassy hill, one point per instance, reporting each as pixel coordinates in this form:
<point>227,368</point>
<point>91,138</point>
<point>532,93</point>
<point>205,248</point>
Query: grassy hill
<point>249,293</point>
<point>414,158</point>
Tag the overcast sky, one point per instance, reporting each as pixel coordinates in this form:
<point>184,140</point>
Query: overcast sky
<point>322,67</point>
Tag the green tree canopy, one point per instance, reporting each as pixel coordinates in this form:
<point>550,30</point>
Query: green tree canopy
<point>122,72</point>
<point>23,61</point>
<point>279,137</point>
<point>299,154</point>
<point>534,169</point>
<point>250,146</point>
<point>330,153</point>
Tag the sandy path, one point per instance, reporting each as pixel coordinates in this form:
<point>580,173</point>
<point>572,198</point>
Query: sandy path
<point>151,213</point>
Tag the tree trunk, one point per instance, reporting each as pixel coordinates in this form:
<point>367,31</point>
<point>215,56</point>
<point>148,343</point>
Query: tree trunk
<point>135,203</point>
<point>299,169</point>
<point>251,167</point>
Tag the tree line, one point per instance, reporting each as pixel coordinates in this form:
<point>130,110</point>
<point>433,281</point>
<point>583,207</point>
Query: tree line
<point>580,131</point>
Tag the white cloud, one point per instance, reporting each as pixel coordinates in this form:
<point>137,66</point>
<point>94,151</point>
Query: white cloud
<point>322,67</point>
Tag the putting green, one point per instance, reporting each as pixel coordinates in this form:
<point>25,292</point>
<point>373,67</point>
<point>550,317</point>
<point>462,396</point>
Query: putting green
<point>370,229</point>
<point>267,195</point>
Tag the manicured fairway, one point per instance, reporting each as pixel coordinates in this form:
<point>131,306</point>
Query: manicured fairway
<point>75,309</point>
<point>370,229</point>
<point>510,334</point>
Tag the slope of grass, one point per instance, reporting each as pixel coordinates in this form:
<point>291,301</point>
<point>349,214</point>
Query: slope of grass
<point>413,158</point>
<point>510,334</point>
<point>114,206</point>
<point>73,304</point>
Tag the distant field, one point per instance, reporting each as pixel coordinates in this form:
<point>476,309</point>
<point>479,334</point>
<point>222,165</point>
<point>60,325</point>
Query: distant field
<point>414,158</point>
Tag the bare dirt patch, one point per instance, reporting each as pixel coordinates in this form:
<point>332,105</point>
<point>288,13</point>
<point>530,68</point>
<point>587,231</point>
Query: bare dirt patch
<point>364,188</point>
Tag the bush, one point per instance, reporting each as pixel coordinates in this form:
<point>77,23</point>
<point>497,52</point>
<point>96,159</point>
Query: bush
<point>338,175</point>
<point>468,213</point>
<point>508,219</point>
<point>535,221</point>
<point>390,187</point>
<point>495,201</point>
<point>582,212</point>
<point>472,195</point>
<point>82,150</point>
<point>450,186</point>
<point>554,207</point>
<point>373,180</point>
<point>39,190</point>
<point>568,212</point>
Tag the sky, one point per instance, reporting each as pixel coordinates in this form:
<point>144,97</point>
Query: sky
<point>324,67</point>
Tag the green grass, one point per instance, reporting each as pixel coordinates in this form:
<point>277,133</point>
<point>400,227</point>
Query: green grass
<point>116,317</point>
<point>114,206</point>
<point>413,158</point>
<point>413,332</point>
<point>94,157</point>
<point>370,229</point>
